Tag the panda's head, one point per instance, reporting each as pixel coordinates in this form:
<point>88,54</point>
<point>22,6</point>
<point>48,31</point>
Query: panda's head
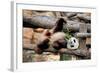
<point>72,43</point>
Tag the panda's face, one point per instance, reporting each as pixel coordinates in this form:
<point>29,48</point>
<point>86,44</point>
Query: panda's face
<point>72,43</point>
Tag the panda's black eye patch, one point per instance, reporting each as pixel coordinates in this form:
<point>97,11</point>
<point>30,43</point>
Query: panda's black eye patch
<point>74,41</point>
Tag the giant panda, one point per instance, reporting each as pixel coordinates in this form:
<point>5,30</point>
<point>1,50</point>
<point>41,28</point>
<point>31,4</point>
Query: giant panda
<point>54,37</point>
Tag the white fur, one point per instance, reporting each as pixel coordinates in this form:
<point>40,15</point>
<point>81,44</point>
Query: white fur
<point>57,36</point>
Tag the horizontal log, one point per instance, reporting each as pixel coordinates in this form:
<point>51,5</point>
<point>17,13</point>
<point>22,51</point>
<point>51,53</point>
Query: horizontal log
<point>49,22</point>
<point>82,35</point>
<point>70,14</point>
<point>27,33</point>
<point>84,17</point>
<point>28,46</point>
<point>78,52</point>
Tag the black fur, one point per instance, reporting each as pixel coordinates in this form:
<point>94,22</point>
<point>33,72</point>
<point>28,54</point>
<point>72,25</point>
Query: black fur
<point>59,25</point>
<point>60,44</point>
<point>44,45</point>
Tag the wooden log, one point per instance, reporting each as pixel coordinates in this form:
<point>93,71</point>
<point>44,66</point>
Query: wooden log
<point>84,17</point>
<point>88,40</point>
<point>28,46</point>
<point>49,22</point>
<point>27,55</point>
<point>27,13</point>
<point>26,41</point>
<point>27,33</point>
<point>83,35</point>
<point>77,52</point>
<point>70,14</point>
<point>41,21</point>
<point>82,41</point>
<point>88,43</point>
<point>45,13</point>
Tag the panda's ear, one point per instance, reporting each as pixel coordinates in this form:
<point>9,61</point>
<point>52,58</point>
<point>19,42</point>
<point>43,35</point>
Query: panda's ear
<point>59,25</point>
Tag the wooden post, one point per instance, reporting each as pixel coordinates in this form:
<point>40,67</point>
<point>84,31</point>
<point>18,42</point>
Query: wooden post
<point>82,41</point>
